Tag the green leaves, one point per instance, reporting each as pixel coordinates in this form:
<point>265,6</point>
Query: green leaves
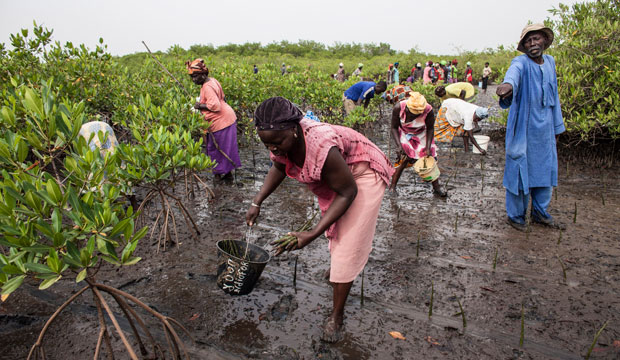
<point>586,47</point>
<point>12,284</point>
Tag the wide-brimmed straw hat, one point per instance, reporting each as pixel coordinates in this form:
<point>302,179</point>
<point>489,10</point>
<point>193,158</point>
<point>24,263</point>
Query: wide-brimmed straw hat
<point>535,27</point>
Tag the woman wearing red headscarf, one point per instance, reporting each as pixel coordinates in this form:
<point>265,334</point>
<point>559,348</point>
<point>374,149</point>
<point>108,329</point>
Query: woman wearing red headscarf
<point>221,139</point>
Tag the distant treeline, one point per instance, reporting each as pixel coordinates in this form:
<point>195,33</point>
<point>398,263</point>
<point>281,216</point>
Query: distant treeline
<point>302,48</point>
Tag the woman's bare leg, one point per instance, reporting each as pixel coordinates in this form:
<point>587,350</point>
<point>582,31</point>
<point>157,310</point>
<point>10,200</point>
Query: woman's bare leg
<point>438,189</point>
<point>398,173</point>
<point>333,326</point>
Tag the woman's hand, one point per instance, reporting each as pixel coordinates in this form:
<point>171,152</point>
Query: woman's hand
<point>251,215</point>
<point>197,105</point>
<point>303,238</point>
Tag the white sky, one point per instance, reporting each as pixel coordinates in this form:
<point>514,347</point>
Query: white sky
<point>432,26</point>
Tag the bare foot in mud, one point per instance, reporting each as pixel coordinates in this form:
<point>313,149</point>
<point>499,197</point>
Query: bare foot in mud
<point>332,331</point>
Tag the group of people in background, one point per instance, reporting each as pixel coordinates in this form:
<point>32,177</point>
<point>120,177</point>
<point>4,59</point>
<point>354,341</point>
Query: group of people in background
<point>349,174</point>
<point>434,72</point>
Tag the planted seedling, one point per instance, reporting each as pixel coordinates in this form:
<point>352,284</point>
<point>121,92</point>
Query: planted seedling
<point>456,222</point>
<point>598,333</point>
<point>495,259</point>
<point>417,249</point>
<point>522,337</point>
<point>462,313</point>
<point>575,214</point>
<point>563,268</point>
<point>560,237</point>
<point>362,298</point>
<point>295,274</point>
<point>430,307</point>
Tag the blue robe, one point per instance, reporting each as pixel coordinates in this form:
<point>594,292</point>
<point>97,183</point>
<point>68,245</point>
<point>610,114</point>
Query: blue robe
<point>535,118</point>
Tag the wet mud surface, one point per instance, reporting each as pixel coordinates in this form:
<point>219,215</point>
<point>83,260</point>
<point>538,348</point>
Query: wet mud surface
<point>458,249</point>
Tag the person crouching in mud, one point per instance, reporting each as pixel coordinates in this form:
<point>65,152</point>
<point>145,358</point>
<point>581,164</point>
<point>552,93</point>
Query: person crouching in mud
<point>413,124</point>
<point>346,171</point>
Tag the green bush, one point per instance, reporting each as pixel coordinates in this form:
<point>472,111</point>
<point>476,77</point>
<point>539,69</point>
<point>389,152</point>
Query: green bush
<point>586,51</point>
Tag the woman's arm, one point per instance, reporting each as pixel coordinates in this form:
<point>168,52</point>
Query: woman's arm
<point>396,124</point>
<point>209,101</point>
<point>430,132</point>
<point>274,178</point>
<point>337,176</point>
<point>470,135</point>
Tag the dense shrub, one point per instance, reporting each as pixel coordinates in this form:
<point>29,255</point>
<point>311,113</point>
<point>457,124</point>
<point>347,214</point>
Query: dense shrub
<point>587,55</point>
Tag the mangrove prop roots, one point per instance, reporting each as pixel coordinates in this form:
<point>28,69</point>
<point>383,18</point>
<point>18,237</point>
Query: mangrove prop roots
<point>175,347</point>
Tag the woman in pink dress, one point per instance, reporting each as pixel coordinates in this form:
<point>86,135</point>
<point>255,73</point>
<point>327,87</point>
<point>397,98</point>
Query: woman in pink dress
<point>221,138</point>
<point>346,171</point>
<point>413,129</point>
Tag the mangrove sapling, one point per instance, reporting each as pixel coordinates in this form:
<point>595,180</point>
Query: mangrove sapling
<point>417,249</point>
<point>555,192</point>
<point>430,307</point>
<point>522,336</point>
<point>603,199</point>
<point>289,242</point>
<point>295,274</point>
<point>560,237</point>
<point>456,222</point>
<point>575,214</point>
<point>598,333</point>
<point>362,292</point>
<point>495,258</point>
<point>563,267</point>
<point>462,313</point>
<point>456,169</point>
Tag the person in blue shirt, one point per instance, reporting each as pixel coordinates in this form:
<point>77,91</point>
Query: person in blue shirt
<point>530,89</point>
<point>361,91</point>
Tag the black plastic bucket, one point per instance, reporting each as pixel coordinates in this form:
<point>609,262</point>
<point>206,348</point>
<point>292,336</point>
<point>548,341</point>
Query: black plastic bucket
<point>236,275</point>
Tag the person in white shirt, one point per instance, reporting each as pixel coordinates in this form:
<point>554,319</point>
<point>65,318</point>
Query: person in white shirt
<point>457,117</point>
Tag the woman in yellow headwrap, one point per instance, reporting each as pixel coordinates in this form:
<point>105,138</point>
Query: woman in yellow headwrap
<point>413,124</point>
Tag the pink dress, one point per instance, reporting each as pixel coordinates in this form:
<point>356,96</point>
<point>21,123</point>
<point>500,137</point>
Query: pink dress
<point>221,115</point>
<point>426,76</point>
<point>413,134</point>
<point>350,237</point>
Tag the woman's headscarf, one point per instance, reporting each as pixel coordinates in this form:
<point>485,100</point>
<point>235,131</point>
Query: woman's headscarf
<point>482,113</point>
<point>416,103</point>
<point>277,113</point>
<point>196,67</point>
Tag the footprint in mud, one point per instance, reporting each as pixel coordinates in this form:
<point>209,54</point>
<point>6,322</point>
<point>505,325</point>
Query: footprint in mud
<point>281,309</point>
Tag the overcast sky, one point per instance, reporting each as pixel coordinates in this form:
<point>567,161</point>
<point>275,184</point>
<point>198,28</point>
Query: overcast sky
<point>438,27</point>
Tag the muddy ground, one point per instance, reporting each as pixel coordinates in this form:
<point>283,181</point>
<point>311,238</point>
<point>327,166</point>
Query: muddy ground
<point>466,253</point>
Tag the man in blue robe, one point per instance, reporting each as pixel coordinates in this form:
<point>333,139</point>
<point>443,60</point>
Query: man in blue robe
<point>534,122</point>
